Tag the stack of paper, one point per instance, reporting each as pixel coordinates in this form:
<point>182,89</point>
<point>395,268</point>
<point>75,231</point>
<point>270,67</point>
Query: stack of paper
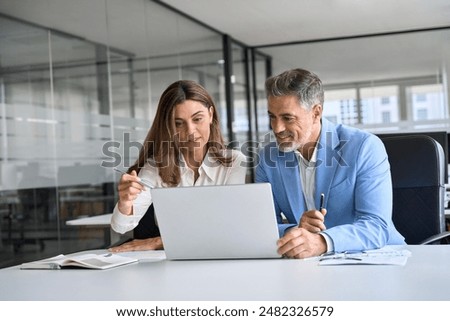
<point>383,256</point>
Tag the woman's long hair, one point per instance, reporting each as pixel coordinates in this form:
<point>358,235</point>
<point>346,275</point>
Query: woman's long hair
<point>161,147</point>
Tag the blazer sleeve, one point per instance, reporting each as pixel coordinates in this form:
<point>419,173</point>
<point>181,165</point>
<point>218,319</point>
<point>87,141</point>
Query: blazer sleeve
<point>263,174</point>
<point>372,201</point>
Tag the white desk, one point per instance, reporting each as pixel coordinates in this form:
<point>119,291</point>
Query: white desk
<point>100,221</point>
<point>97,221</point>
<point>426,276</point>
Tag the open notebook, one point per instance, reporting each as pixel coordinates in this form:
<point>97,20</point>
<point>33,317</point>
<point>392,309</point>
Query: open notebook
<point>217,222</point>
<point>83,260</point>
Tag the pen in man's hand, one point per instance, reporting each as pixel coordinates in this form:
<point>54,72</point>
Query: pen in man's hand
<point>142,182</point>
<point>322,199</point>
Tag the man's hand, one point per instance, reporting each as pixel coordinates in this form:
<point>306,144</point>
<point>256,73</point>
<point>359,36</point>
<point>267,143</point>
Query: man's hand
<point>313,221</point>
<point>154,243</point>
<point>299,243</point>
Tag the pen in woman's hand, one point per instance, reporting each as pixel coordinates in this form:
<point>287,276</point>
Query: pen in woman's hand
<point>141,181</point>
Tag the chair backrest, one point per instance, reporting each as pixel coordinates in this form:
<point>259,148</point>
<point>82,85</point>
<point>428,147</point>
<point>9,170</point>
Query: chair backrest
<point>417,169</point>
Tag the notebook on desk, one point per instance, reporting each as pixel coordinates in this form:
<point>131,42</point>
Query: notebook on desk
<point>217,222</point>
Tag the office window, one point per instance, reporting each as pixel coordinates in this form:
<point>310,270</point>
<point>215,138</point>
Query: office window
<point>349,111</point>
<point>422,114</point>
<point>385,100</point>
<point>401,61</point>
<point>427,102</point>
<point>421,97</point>
<point>341,106</point>
<point>377,102</point>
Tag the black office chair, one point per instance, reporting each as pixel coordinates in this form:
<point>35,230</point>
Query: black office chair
<point>417,168</point>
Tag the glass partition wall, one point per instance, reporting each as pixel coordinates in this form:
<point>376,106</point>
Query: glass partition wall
<point>380,83</point>
<point>77,100</point>
<point>383,83</point>
<point>72,106</point>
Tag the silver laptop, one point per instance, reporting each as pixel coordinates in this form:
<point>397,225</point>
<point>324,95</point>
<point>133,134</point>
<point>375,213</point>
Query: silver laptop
<point>217,222</point>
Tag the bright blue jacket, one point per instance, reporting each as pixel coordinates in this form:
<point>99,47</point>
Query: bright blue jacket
<point>354,174</point>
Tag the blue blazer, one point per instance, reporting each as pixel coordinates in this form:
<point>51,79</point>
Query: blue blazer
<point>354,174</point>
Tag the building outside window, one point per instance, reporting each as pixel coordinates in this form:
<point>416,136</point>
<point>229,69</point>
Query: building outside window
<point>386,117</point>
<point>427,102</point>
<point>385,100</point>
<point>376,101</point>
<point>421,114</point>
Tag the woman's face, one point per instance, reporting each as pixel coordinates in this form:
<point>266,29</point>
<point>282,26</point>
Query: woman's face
<point>192,124</point>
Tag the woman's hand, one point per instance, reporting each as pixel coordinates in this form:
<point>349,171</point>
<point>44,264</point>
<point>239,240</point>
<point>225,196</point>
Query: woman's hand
<point>129,189</point>
<point>154,243</point>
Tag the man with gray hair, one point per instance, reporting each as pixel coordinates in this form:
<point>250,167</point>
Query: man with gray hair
<point>331,183</point>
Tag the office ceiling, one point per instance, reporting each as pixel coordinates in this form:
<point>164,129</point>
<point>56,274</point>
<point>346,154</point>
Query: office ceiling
<point>263,22</point>
<point>268,22</point>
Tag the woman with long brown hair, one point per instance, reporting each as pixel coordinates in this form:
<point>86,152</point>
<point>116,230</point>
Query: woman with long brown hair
<point>184,147</point>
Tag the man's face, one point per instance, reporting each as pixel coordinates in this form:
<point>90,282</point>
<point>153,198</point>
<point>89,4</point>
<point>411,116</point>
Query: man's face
<point>293,125</point>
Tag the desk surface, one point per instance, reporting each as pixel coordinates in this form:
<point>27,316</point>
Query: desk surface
<point>426,276</point>
<point>105,219</point>
<point>97,220</point>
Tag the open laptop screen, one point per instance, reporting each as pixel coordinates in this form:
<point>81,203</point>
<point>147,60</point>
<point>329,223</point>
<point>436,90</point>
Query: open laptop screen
<point>217,222</point>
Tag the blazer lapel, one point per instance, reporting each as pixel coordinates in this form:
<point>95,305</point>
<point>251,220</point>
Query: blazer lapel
<point>289,172</point>
<point>327,155</point>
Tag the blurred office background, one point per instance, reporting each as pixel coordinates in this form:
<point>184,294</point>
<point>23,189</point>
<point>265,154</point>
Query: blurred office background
<point>80,82</point>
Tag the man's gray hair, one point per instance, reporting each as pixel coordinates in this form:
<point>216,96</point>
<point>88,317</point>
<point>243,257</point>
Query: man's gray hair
<point>302,83</point>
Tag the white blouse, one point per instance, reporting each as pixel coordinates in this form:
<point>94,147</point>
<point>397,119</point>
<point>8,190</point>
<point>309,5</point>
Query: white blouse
<point>211,172</point>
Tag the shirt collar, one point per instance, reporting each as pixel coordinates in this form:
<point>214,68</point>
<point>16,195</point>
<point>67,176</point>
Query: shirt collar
<point>207,166</point>
<point>313,159</point>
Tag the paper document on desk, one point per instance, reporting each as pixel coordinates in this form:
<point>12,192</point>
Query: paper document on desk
<point>87,261</point>
<point>383,256</point>
<point>146,256</point>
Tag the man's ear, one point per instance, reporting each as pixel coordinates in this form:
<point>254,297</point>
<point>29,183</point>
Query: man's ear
<point>317,111</point>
